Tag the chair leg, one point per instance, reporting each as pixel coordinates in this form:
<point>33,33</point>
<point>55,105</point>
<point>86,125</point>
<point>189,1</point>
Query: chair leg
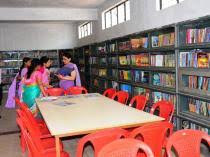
<point>22,143</point>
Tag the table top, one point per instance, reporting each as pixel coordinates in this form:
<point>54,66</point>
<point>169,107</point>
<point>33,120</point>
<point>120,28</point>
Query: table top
<point>82,114</point>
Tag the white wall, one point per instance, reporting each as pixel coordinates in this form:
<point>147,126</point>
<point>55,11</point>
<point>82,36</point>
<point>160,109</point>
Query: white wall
<point>144,16</point>
<point>37,35</point>
<point>47,14</point>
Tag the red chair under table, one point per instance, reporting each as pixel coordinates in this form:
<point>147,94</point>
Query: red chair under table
<point>187,143</point>
<point>109,92</point>
<point>121,97</point>
<point>39,126</point>
<point>76,90</point>
<point>154,135</point>
<point>23,106</point>
<point>139,101</point>
<point>55,91</point>
<point>37,147</point>
<point>99,139</point>
<point>125,148</point>
<point>165,108</point>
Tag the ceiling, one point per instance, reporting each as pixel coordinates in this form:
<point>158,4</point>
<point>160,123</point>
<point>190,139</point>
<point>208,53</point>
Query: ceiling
<point>51,3</point>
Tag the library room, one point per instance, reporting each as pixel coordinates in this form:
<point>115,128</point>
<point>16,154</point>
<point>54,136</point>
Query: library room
<point>104,78</point>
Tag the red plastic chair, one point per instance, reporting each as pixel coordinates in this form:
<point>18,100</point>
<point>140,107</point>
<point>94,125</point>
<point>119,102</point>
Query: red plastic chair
<point>40,128</point>
<point>187,143</point>
<point>154,135</point>
<point>166,109</point>
<point>55,91</point>
<point>36,147</point>
<point>125,148</point>
<point>140,102</point>
<point>76,90</point>
<point>40,125</point>
<point>99,139</point>
<point>23,106</point>
<point>121,97</point>
<point>109,92</point>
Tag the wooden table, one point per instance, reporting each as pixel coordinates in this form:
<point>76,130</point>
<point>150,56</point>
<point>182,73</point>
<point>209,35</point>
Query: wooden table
<point>83,114</point>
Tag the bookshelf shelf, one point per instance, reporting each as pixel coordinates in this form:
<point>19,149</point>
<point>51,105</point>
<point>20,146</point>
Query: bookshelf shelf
<point>162,69</point>
<point>128,67</point>
<point>162,49</point>
<point>163,89</point>
<point>196,96</point>
<point>195,118</point>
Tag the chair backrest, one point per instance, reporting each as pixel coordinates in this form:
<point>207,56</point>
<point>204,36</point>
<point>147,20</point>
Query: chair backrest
<point>55,91</point>
<point>154,135</point>
<point>29,116</point>
<point>34,144</point>
<point>99,139</point>
<point>165,108</point>
<point>140,102</point>
<point>121,97</point>
<point>125,148</point>
<point>109,92</point>
<point>76,90</point>
<point>186,142</point>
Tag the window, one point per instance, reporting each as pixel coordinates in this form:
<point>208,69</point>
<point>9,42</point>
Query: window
<point>85,30</point>
<point>116,14</point>
<point>162,4</point>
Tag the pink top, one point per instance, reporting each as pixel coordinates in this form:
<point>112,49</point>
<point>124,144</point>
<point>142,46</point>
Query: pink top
<point>46,76</point>
<point>33,79</point>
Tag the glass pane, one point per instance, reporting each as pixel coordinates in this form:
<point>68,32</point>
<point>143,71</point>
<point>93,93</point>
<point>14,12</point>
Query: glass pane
<point>108,19</point>
<point>82,31</point>
<point>158,4</point>
<point>127,9</point>
<point>85,30</point>
<point>88,29</point>
<point>168,3</point>
<point>121,13</point>
<point>114,16</point>
<point>103,21</point>
<point>79,32</point>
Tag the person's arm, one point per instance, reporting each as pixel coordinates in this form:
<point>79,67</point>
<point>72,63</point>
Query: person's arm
<point>39,82</point>
<point>70,78</point>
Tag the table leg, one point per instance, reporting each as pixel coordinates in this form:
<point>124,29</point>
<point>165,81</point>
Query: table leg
<point>57,144</point>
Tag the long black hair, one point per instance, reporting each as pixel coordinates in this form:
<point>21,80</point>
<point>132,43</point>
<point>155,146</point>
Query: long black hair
<point>44,59</point>
<point>34,63</point>
<point>25,59</point>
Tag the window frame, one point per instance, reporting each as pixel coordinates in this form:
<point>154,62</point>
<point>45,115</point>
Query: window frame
<point>161,4</point>
<point>104,22</point>
<point>82,32</point>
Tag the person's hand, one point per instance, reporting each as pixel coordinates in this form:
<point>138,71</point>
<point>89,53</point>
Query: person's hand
<point>49,86</point>
<point>60,76</point>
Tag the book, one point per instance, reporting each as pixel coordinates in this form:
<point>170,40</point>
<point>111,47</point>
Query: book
<point>155,41</point>
<point>123,60</point>
<point>157,96</point>
<point>145,77</point>
<point>156,79</point>
<point>126,88</point>
<point>135,43</point>
<point>203,61</point>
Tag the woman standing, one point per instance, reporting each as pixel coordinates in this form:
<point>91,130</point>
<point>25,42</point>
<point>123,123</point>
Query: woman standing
<point>32,86</point>
<point>72,77</point>
<point>22,72</point>
<point>12,89</point>
<point>46,63</point>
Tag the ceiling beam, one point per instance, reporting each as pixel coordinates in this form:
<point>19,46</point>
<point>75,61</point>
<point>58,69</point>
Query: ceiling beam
<point>47,14</point>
